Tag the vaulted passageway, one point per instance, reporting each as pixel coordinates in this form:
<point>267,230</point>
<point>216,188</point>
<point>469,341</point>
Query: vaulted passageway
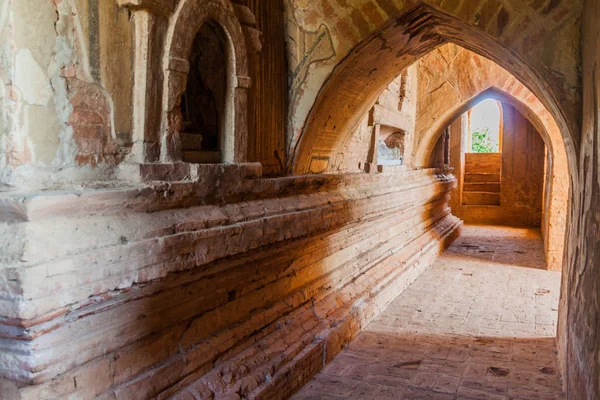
<point>211,199</point>
<point>480,323</point>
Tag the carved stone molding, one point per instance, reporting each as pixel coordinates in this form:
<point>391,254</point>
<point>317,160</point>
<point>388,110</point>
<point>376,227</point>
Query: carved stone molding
<point>165,7</point>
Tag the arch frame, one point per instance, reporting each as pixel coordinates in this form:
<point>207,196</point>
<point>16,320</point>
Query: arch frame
<point>184,24</point>
<point>556,199</point>
<point>427,143</point>
<point>498,104</point>
<point>354,85</point>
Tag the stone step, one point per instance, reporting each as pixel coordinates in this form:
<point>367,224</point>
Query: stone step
<point>482,187</point>
<point>483,163</point>
<point>481,178</point>
<point>482,157</point>
<point>483,168</point>
<point>481,199</point>
<point>190,141</point>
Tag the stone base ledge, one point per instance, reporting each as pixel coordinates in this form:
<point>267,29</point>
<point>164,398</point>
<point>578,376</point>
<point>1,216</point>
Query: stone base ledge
<point>313,285</point>
<point>85,281</point>
<point>182,171</point>
<point>337,324</point>
<point>121,197</point>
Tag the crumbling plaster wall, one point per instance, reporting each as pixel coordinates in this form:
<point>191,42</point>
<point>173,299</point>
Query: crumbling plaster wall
<point>30,116</point>
<point>61,103</point>
<point>82,60</point>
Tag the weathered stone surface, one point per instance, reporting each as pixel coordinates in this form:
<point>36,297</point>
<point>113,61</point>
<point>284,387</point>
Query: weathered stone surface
<point>101,296</point>
<point>578,342</point>
<point>31,80</point>
<point>125,273</point>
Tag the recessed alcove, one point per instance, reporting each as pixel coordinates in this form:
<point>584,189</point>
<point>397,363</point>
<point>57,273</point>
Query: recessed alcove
<point>203,103</point>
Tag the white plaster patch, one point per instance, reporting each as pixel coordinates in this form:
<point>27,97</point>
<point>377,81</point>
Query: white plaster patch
<point>31,80</point>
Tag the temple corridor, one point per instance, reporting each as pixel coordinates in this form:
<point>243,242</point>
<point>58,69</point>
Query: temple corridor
<point>480,323</point>
<point>274,199</point>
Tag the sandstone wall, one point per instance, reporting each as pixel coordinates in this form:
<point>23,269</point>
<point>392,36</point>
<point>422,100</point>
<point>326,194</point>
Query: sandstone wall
<point>355,152</point>
<point>268,105</point>
<point>237,285</point>
<point>579,343</point>
<point>522,175</point>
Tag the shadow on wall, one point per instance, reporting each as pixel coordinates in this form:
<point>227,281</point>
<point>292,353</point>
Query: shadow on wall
<point>327,287</point>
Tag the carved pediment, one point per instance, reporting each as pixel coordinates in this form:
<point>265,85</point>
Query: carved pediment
<point>158,6</point>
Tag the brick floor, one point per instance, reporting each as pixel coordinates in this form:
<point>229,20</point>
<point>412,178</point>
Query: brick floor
<point>479,324</point>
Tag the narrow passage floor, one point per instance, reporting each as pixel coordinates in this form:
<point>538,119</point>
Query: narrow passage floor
<point>480,323</point>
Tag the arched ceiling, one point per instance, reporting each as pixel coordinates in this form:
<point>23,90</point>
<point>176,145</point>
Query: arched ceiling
<point>358,79</point>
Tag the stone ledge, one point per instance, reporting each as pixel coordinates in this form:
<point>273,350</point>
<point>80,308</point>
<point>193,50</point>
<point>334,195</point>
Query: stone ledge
<point>154,196</point>
<point>46,284</point>
<point>165,7</point>
<point>46,334</point>
<point>186,171</point>
<point>335,328</point>
<point>81,295</point>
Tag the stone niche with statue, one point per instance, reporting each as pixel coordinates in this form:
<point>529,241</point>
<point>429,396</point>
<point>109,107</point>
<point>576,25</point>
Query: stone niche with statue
<point>392,123</point>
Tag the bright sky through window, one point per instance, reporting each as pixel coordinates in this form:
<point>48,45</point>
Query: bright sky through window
<point>485,127</point>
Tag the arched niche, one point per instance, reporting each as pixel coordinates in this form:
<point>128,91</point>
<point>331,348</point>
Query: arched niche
<point>193,18</point>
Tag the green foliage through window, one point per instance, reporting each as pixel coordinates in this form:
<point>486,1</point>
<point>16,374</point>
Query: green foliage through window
<point>482,142</point>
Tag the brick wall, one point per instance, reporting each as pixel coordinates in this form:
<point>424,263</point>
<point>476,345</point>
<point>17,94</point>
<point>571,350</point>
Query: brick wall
<point>451,80</point>
<point>354,154</point>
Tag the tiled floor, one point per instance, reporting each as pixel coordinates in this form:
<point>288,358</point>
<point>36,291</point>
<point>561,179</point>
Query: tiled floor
<point>478,324</point>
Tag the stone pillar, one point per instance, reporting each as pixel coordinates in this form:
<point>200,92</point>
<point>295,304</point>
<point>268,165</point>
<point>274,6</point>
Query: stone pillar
<point>578,332</point>
<point>150,20</point>
<point>373,156</point>
<point>267,103</point>
<point>447,148</point>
